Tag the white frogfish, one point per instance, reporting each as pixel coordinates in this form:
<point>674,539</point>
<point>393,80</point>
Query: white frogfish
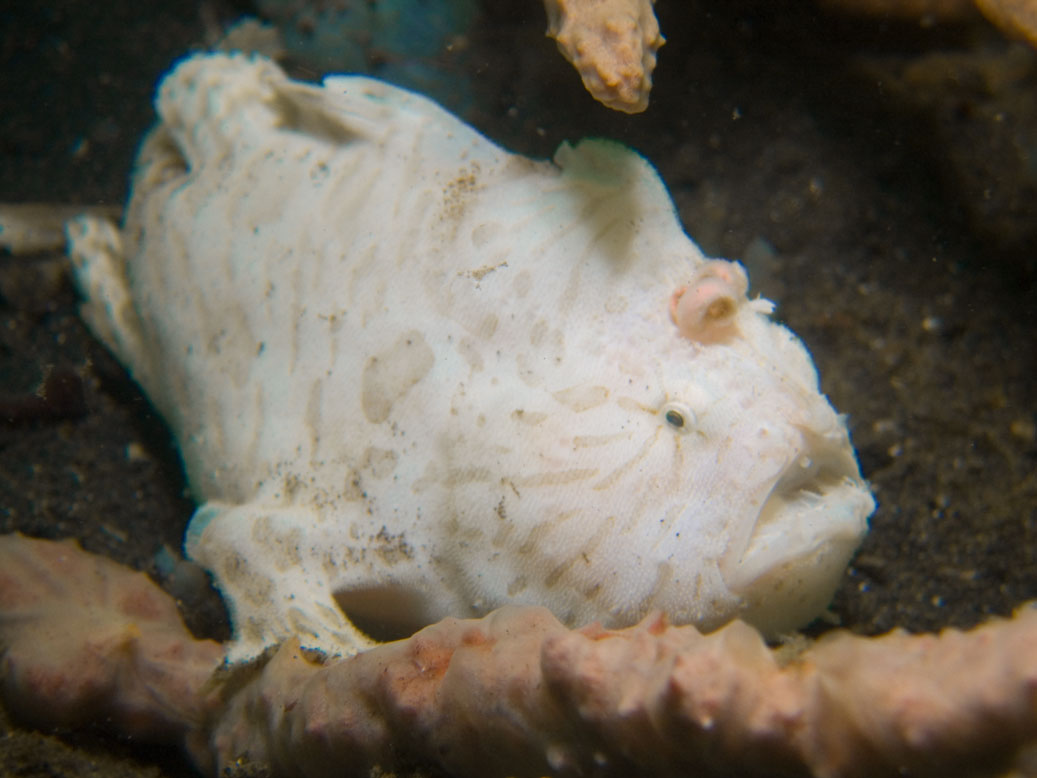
<point>413,375</point>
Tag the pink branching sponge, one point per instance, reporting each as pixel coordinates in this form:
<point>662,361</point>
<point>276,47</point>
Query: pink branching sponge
<point>514,693</point>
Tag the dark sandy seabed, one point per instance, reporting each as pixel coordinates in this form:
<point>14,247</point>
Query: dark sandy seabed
<point>879,180</point>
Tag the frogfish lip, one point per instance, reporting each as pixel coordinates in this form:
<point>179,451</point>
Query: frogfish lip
<point>805,533</point>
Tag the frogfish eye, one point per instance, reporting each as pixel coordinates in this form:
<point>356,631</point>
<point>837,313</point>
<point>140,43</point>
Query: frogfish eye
<point>678,416</point>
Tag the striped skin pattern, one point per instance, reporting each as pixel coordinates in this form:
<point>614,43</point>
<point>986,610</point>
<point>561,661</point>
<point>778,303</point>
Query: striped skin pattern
<point>413,375</point>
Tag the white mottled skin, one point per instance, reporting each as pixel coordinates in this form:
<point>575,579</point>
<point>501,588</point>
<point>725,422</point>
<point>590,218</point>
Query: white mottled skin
<point>414,375</point>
